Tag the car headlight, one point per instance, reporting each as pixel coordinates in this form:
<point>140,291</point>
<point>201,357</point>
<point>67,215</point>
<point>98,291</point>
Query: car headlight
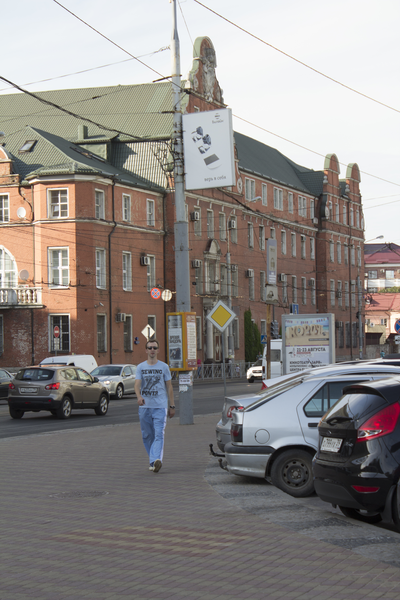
<point>107,382</point>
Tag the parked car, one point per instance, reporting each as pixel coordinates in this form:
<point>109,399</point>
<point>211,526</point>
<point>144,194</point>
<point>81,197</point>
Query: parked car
<point>357,465</point>
<point>275,436</point>
<point>5,379</point>
<point>56,389</point>
<point>118,379</point>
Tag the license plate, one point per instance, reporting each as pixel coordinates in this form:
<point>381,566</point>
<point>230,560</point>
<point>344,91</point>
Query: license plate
<point>31,390</point>
<point>331,444</point>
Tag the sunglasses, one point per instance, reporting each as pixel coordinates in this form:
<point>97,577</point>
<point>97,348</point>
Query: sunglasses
<point>152,347</point>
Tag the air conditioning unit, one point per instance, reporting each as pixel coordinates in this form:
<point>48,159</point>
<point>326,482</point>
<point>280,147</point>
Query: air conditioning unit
<point>315,220</point>
<point>281,277</point>
<point>195,216</point>
<point>196,264</point>
<point>234,268</point>
<point>144,261</point>
<point>250,273</point>
<point>120,317</point>
<point>232,224</point>
<point>338,294</point>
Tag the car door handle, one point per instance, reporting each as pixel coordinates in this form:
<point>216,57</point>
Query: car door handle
<point>313,425</point>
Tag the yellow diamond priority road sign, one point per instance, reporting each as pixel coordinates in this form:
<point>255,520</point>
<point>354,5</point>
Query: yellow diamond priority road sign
<point>221,316</point>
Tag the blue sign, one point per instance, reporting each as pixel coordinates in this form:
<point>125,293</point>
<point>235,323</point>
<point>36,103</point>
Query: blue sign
<point>264,339</point>
<point>397,326</point>
<point>294,309</point>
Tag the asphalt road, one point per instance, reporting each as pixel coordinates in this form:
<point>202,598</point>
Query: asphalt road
<point>207,399</point>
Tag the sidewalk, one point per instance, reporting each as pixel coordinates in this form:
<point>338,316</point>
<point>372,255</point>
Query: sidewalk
<point>83,518</point>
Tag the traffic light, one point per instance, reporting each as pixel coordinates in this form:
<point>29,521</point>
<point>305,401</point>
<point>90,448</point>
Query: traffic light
<point>274,330</point>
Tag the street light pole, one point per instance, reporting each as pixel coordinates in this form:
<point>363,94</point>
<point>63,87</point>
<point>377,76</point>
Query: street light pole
<point>181,228</point>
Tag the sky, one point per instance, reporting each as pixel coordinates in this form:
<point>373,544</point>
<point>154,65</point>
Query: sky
<point>274,98</point>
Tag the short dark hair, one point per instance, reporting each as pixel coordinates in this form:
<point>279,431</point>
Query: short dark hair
<point>151,341</point>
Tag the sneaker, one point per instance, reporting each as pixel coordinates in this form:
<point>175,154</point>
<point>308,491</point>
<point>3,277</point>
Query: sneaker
<point>157,465</point>
<point>151,468</point>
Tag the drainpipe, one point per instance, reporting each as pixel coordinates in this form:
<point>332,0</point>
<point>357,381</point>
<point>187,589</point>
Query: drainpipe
<point>109,267</point>
<point>33,279</point>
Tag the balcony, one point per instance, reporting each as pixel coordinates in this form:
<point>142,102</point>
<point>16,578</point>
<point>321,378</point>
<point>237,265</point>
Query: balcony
<point>21,297</point>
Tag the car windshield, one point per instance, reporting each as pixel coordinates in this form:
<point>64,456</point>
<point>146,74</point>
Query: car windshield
<point>106,371</point>
<point>34,375</point>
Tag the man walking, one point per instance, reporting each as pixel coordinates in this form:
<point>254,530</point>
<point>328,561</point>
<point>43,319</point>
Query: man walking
<point>155,397</point>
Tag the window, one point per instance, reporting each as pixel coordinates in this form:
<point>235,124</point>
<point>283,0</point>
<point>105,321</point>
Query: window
<point>337,217</point>
<point>197,224</point>
<point>126,207</point>
<point>263,289</point>
<point>264,194</point>
<point>339,253</point>
<point>389,274</point>
<point>210,224</point>
<point>198,333</point>
<point>235,282</point>
<point>58,267</point>
<point>250,189</point>
<point>313,294</point>
<point>284,291</point>
<point>339,294</point>
<point>224,280</point>
<point>351,216</point>
<point>303,290</point>
<point>353,294</point>
<point>8,269</point>
<point>331,251</point>
<point>151,320</point>
<point>293,243</point>
<point>199,278</point>
<point>127,271</point>
<point>312,210</point>
<point>57,204</point>
<point>235,332</point>
<point>99,204</point>
<point>263,327</point>
<point>150,213</point>
<point>294,289</point>
<point>251,288</point>
<point>128,343</point>
<point>250,235</point>
<point>100,268</point>
<point>352,255</point>
<point>358,256</point>
<point>333,294</point>
<point>233,230</point>
<point>302,206</point>
<point>303,246</point>
<point>344,217</point>
<point>283,242</point>
<point>62,342</point>
<point>101,333</point>
<point>346,294</point>
<point>222,226</point>
<point>312,248</point>
<point>346,254</point>
<point>290,202</point>
<point>261,237</point>
<point>278,199</point>
<point>357,218</point>
<point>273,233</point>
<point>340,334</point>
<point>151,273</point>
<point>1,335</point>
<point>372,274</point>
<point>4,208</point>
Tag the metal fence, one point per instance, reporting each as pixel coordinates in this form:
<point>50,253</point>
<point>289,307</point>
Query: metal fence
<point>216,371</point>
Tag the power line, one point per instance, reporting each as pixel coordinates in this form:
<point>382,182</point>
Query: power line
<point>297,60</point>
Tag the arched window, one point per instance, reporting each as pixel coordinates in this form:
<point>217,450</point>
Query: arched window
<point>8,269</point>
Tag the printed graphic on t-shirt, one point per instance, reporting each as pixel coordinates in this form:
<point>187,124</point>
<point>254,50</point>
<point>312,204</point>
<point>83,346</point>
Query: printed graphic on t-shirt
<point>150,380</point>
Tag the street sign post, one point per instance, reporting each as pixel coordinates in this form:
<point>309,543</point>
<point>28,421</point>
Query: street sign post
<point>221,316</point>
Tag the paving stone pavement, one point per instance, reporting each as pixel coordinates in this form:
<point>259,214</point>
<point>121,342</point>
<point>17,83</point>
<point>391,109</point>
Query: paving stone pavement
<point>83,518</point>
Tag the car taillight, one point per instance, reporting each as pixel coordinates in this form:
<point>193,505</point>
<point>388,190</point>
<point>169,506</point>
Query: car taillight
<point>231,408</point>
<point>263,386</point>
<point>380,424</point>
<point>237,433</point>
<point>11,386</point>
<point>365,489</point>
<point>52,386</point>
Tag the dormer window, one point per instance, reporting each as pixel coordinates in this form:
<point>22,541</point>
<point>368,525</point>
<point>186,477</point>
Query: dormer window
<point>27,147</point>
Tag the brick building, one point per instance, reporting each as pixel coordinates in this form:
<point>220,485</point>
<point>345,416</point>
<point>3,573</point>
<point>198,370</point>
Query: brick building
<point>87,214</point>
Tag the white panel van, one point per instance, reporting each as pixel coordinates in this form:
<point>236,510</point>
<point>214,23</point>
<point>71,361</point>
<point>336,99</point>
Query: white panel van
<point>85,361</point>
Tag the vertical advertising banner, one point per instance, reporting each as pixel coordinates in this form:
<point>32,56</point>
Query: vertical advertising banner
<point>181,339</point>
<point>208,149</point>
<point>308,340</point>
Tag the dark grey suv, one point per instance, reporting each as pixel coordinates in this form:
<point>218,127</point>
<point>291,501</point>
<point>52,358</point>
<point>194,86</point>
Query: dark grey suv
<point>58,389</point>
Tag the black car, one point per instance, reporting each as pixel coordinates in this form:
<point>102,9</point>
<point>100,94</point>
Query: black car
<point>357,465</point>
<point>5,379</point>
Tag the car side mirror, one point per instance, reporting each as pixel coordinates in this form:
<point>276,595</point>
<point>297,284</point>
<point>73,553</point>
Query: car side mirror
<point>95,379</point>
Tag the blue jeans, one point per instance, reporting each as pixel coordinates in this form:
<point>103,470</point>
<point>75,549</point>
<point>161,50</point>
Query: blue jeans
<point>152,425</point>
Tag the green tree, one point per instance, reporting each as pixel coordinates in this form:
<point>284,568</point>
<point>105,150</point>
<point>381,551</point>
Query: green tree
<point>252,338</point>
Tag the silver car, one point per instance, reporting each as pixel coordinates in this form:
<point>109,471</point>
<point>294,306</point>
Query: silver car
<point>118,379</point>
<point>275,435</point>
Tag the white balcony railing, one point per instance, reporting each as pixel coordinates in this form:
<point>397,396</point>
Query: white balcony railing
<point>21,296</point>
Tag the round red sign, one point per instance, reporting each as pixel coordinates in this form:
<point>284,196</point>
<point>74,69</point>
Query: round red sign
<point>155,293</point>
<point>56,331</point>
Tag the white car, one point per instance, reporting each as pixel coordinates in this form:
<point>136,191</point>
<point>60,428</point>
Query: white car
<point>118,379</point>
<point>275,434</point>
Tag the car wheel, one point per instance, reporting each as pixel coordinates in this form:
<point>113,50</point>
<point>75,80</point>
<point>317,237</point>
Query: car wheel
<point>54,413</point>
<point>15,413</point>
<point>64,412</point>
<point>251,380</point>
<point>292,473</point>
<point>361,515</point>
<point>119,392</point>
<point>102,408</point>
